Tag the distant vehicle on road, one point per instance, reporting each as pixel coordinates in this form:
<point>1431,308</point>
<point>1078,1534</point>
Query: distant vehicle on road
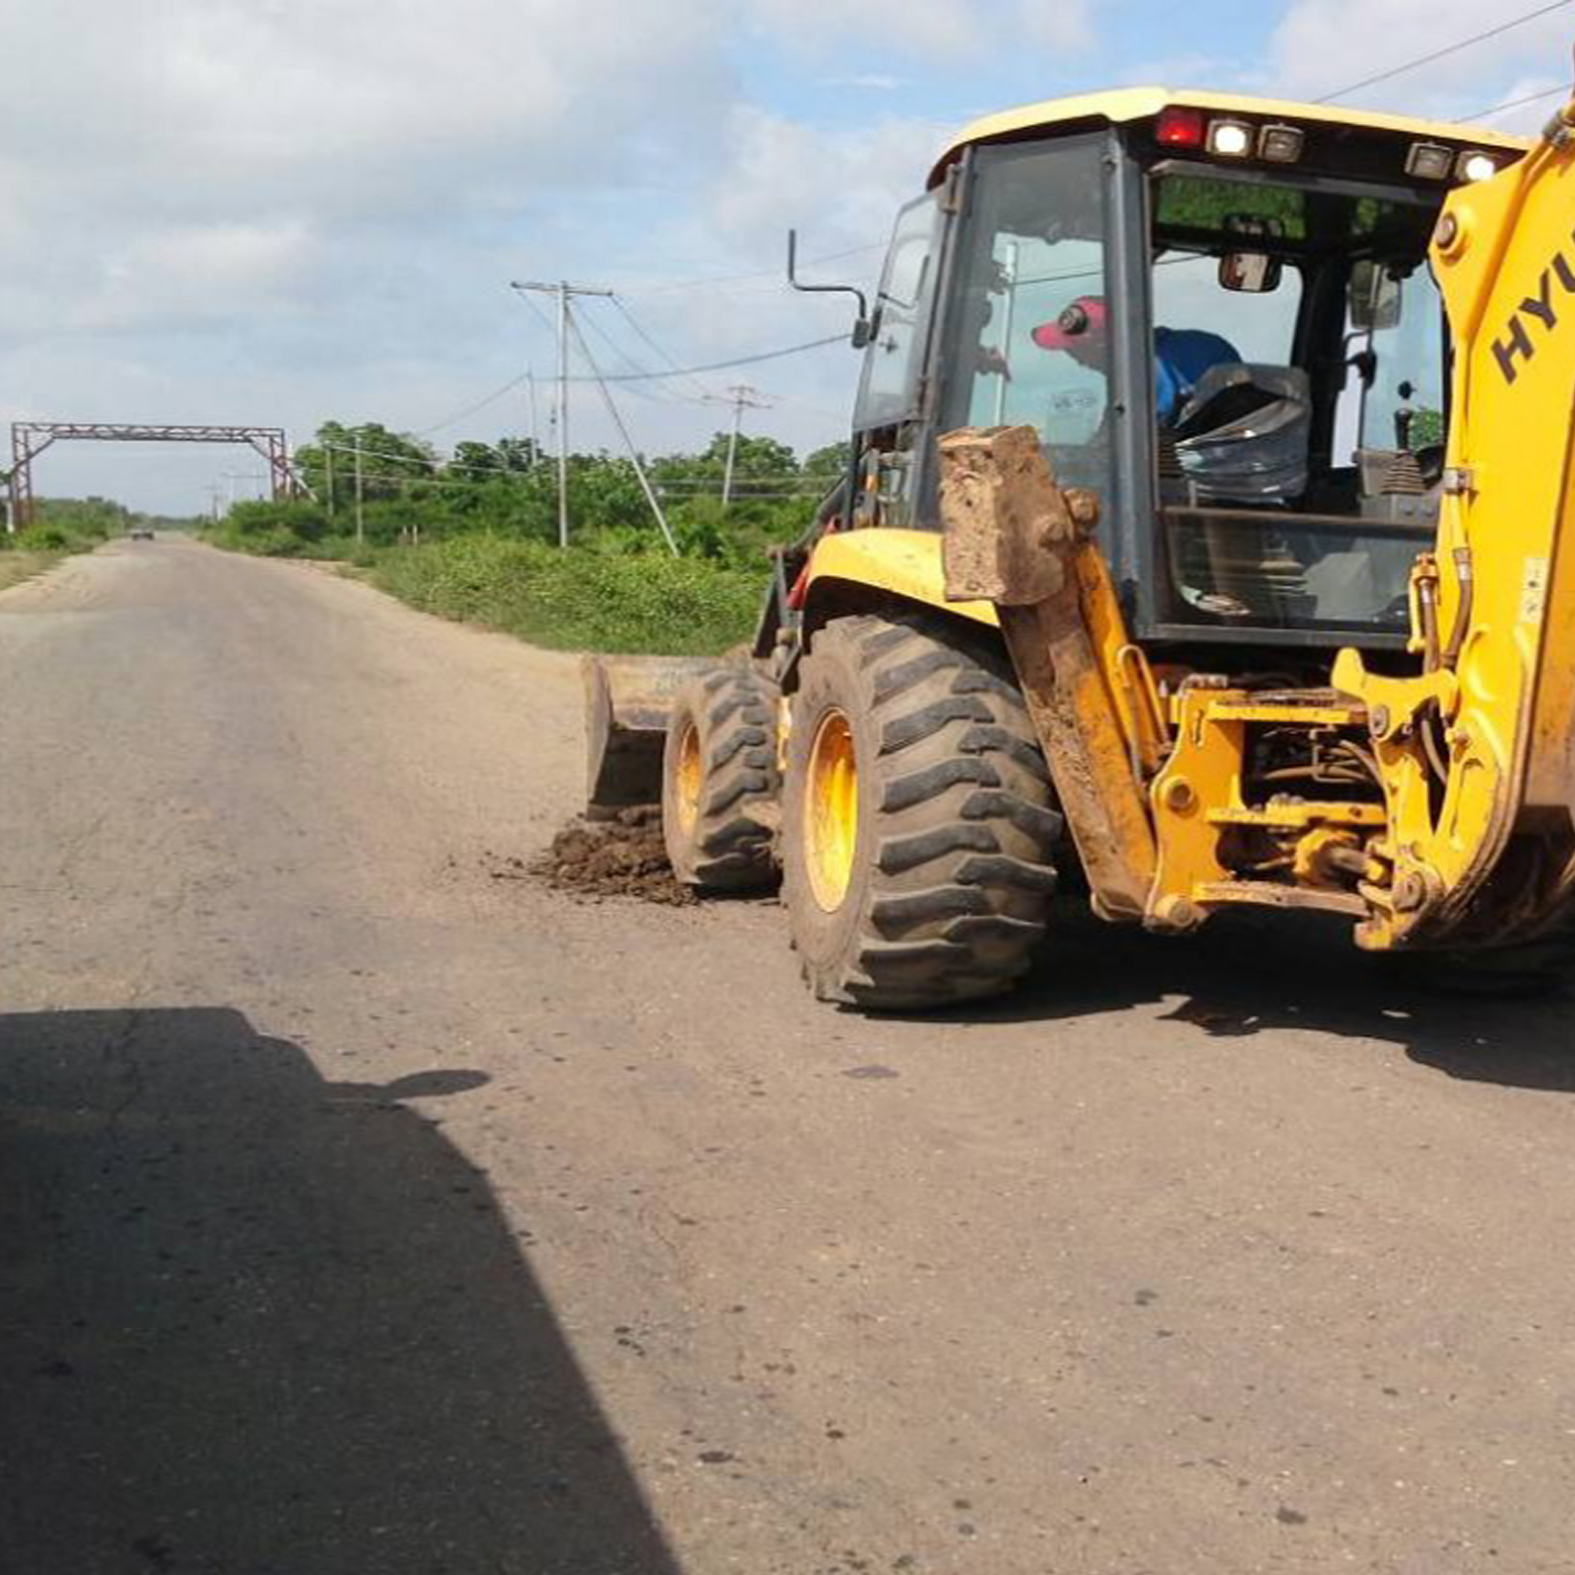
<point>141,533</point>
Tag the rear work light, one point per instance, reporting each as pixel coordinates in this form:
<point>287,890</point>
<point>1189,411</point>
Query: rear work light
<point>1180,128</point>
<point>1474,164</point>
<point>1280,144</point>
<point>1429,161</point>
<point>1230,139</point>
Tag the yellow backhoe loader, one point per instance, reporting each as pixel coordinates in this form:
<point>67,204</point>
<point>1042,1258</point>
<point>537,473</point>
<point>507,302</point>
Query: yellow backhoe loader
<point>1209,531</point>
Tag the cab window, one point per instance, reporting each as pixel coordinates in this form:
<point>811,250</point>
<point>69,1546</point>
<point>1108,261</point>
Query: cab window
<point>1031,253</point>
<point>888,390</point>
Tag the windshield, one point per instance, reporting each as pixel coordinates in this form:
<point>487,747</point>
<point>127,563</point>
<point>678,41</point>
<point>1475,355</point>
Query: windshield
<point>1297,458</point>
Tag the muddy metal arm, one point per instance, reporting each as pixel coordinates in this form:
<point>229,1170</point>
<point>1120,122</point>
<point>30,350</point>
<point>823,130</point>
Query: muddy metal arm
<point>1016,539</point>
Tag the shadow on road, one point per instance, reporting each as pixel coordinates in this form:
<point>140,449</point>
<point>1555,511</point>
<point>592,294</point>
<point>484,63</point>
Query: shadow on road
<point>1242,974</point>
<point>255,1323</point>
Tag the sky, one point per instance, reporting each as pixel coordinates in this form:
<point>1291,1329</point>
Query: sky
<point>277,212</point>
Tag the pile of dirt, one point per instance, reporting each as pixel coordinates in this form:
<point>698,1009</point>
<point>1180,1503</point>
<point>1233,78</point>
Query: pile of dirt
<point>620,857</point>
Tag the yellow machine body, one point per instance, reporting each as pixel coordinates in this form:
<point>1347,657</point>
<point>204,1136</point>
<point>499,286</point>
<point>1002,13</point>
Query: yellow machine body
<point>1497,854</point>
<point>1444,774</point>
<point>1471,841</point>
<point>1117,106</point>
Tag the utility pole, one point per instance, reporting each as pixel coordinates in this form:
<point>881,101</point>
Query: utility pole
<point>535,427</point>
<point>743,398</point>
<point>565,292</point>
<point>328,468</point>
<point>628,442</point>
<point>360,524</point>
<point>563,415</point>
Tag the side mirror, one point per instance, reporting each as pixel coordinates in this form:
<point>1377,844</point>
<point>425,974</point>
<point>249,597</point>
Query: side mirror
<point>1250,273</point>
<point>1374,296</point>
<point>863,325</point>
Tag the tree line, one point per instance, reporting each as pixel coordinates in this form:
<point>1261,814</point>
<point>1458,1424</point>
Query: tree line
<point>381,488</point>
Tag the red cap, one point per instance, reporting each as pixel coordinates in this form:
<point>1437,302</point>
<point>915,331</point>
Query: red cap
<point>1086,318</point>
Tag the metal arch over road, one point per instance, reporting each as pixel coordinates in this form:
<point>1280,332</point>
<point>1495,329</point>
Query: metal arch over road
<point>29,439</point>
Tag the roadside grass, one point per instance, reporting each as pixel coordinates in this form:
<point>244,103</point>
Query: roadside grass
<point>18,564</point>
<point>62,526</point>
<point>575,599</point>
<point>578,599</point>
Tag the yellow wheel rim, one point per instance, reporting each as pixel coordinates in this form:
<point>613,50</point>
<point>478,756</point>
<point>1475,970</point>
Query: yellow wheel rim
<point>690,774</point>
<point>831,811</point>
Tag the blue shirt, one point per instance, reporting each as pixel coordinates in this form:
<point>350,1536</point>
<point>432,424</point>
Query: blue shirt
<point>1181,357</point>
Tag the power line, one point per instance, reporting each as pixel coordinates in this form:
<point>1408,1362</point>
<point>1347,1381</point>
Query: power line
<point>1440,54</point>
<point>750,496</point>
<point>373,453</point>
<point>711,481</point>
<point>535,311</point>
<point>480,404</point>
<point>741,397</point>
<point>722,366</point>
<point>1513,103</point>
<point>565,292</point>
<point>612,410</point>
<point>628,317</point>
<point>664,396</point>
<point>438,465</point>
<point>645,375</point>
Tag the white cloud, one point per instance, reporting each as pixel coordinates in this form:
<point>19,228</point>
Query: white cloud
<point>777,175</point>
<point>172,168</point>
<point>192,272</point>
<point>938,28</point>
<point>1056,24</point>
<point>241,88</point>
<point>299,208</point>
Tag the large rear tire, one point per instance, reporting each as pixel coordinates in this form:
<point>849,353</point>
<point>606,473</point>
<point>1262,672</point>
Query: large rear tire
<point>917,827</point>
<point>1521,969</point>
<point>720,783</point>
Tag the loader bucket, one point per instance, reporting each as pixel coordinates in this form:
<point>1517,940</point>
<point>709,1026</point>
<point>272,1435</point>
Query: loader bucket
<point>627,699</point>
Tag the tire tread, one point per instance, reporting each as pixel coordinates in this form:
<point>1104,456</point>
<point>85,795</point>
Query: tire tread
<point>960,871</point>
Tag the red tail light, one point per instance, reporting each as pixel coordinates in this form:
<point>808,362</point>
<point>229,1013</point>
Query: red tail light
<point>1180,128</point>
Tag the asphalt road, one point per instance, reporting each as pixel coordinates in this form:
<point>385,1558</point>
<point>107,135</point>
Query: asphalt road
<point>363,1212</point>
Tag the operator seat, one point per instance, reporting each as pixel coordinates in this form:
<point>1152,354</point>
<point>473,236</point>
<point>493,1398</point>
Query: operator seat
<point>1243,435</point>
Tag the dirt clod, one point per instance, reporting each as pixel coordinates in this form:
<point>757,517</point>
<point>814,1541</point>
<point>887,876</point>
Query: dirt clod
<point>620,857</point>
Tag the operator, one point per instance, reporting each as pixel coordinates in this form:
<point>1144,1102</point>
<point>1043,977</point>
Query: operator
<point>1181,355</point>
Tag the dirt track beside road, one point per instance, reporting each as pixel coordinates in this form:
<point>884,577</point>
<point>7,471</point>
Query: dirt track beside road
<point>363,1210</point>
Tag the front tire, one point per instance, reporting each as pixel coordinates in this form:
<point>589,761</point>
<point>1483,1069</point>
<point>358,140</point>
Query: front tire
<point>917,828</point>
<point>720,783</point>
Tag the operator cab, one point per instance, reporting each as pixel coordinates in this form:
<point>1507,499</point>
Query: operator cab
<point>1219,315</point>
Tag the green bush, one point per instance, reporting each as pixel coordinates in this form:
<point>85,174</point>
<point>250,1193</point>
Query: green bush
<point>247,523</point>
<point>279,543</point>
<point>74,524</point>
<point>45,538</point>
<point>475,537</point>
<point>579,599</point>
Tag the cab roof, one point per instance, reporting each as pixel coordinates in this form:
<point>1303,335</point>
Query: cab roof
<point>1119,105</point>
